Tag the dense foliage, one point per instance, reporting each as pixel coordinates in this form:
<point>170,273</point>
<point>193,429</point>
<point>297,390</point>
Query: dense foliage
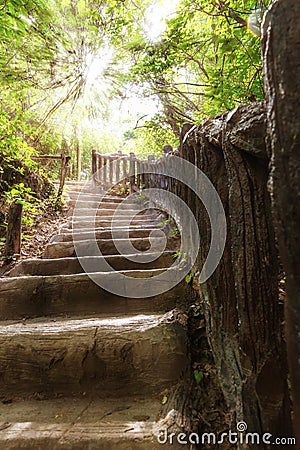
<point>206,61</point>
<point>68,66</point>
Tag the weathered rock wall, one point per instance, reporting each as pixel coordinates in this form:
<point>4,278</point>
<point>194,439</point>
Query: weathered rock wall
<point>240,300</point>
<point>281,50</point>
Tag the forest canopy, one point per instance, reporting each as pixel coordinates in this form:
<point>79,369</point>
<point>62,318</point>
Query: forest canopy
<point>121,74</point>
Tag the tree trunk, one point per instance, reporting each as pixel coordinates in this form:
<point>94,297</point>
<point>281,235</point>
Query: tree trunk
<point>13,236</point>
<point>281,47</point>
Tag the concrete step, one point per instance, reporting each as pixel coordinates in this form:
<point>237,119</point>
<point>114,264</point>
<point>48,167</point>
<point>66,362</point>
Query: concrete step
<point>70,182</point>
<point>67,266</point>
<point>136,231</point>
<point>106,212</point>
<point>131,423</point>
<point>101,216</point>
<point>75,357</point>
<point>83,224</point>
<point>132,229</point>
<point>107,247</point>
<point>85,195</point>
<point>37,296</point>
<point>110,356</point>
<point>78,225</point>
<point>119,221</point>
<point>94,202</point>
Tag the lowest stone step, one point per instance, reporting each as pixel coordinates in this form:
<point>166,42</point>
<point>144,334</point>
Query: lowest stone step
<point>131,423</point>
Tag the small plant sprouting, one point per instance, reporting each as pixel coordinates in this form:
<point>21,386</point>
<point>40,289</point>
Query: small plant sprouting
<point>164,400</point>
<point>164,222</point>
<point>198,375</point>
<point>190,276</point>
<point>174,231</point>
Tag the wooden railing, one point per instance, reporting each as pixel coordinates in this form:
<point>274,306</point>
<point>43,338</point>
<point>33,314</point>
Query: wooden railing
<point>65,159</point>
<point>139,174</point>
<point>118,168</point>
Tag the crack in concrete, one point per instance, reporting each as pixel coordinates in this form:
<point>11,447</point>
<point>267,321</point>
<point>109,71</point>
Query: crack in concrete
<point>68,429</point>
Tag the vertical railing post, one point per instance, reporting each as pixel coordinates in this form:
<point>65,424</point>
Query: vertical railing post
<point>101,163</point>
<point>150,174</point>
<point>132,172</point>
<point>138,174</point>
<point>64,162</point>
<point>143,175</point>
<point>13,234</point>
<point>124,175</point>
<point>117,170</point>
<point>167,149</point>
<point>111,170</point>
<point>104,170</point>
<point>94,162</point>
<point>146,174</point>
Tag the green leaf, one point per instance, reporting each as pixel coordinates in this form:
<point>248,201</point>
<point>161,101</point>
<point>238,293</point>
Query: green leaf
<point>198,375</point>
<point>164,400</point>
<point>189,277</point>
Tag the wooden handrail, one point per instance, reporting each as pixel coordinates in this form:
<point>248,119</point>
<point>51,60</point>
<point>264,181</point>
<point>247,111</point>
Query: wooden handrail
<point>64,162</point>
<point>118,168</point>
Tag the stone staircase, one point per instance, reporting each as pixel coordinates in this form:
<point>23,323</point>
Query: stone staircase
<point>80,367</point>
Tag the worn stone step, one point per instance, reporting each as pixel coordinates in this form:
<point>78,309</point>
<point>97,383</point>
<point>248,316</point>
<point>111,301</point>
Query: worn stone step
<point>92,196</point>
<point>109,356</point>
<point>107,247</point>
<point>131,423</point>
<point>66,234</point>
<point>36,296</point>
<point>93,202</point>
<point>70,182</point>
<point>67,229</point>
<point>119,221</point>
<point>67,266</point>
<point>85,195</point>
<point>106,212</point>
<point>80,224</point>
<point>111,208</point>
<point>104,216</point>
<point>77,186</point>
